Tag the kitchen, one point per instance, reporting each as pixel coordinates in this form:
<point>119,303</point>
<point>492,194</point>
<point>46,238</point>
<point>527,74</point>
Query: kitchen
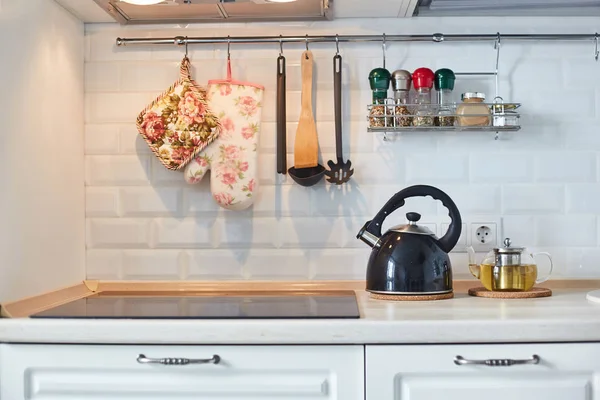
<point>127,221</point>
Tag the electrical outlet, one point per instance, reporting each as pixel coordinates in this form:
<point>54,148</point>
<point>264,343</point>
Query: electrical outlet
<point>484,236</point>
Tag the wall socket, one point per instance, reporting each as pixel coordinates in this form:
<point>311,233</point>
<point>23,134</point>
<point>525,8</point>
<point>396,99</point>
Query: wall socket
<point>484,236</point>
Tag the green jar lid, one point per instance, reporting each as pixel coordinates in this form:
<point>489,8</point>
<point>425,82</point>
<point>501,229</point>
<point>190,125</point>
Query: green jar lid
<point>380,79</point>
<point>444,79</point>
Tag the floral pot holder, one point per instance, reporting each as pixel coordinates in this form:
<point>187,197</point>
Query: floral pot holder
<point>179,123</point>
<point>233,156</point>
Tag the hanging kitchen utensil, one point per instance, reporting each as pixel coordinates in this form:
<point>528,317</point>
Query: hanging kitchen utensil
<point>306,170</point>
<point>409,259</point>
<point>179,123</point>
<point>281,117</point>
<point>341,172</point>
<point>233,157</point>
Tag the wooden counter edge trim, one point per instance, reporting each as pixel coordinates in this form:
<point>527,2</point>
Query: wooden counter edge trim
<point>34,304</point>
<point>106,287</point>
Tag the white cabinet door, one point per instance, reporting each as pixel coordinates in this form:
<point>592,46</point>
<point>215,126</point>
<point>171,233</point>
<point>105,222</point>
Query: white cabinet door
<point>61,372</point>
<point>429,372</point>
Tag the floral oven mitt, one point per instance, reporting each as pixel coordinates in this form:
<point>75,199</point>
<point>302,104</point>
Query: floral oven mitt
<point>179,123</point>
<point>233,156</point>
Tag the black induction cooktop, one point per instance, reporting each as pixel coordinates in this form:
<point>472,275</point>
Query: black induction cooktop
<point>209,307</point>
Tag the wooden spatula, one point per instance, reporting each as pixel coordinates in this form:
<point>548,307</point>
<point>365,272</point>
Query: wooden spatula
<point>306,146</point>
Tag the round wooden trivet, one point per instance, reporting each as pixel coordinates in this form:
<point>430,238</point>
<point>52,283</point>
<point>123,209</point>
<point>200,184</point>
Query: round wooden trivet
<point>533,293</point>
<point>414,297</point>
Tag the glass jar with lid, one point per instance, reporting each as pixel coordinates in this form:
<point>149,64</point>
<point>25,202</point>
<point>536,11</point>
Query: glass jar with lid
<point>401,83</point>
<point>379,80</point>
<point>423,82</point>
<point>444,84</point>
<point>472,111</point>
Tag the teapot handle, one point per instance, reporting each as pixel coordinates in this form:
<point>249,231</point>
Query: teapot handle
<point>544,279</point>
<point>448,241</point>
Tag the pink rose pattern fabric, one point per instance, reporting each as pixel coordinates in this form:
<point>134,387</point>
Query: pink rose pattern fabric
<point>233,157</point>
<point>179,123</point>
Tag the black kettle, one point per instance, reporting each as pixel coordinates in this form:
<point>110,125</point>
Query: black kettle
<point>409,259</point>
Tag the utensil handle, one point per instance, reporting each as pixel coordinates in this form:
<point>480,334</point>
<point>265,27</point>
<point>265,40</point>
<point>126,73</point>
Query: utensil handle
<point>337,90</point>
<point>502,362</point>
<point>142,359</point>
<point>281,117</point>
<point>544,279</point>
<point>307,77</point>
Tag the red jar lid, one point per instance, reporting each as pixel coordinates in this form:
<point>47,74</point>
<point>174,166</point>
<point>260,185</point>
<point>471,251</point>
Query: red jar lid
<point>423,77</point>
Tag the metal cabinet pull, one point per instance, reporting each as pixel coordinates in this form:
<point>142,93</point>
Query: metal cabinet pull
<point>142,359</point>
<point>506,362</point>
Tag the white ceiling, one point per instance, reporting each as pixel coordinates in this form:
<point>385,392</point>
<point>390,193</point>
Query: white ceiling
<point>89,11</point>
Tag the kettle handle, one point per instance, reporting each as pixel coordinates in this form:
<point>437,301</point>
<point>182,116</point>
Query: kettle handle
<point>449,240</point>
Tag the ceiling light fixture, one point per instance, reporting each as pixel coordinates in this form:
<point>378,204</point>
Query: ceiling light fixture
<point>142,2</point>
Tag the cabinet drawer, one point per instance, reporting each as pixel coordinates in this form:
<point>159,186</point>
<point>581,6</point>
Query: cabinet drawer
<point>424,372</point>
<point>243,372</point>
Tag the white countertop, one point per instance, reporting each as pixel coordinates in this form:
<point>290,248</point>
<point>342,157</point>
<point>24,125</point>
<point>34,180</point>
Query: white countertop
<point>566,316</point>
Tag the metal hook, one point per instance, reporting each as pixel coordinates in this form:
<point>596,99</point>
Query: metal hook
<point>186,47</point>
<point>228,47</point>
<point>596,51</point>
<point>383,48</point>
<point>280,45</point>
<point>337,44</point>
<point>497,45</point>
<point>306,45</point>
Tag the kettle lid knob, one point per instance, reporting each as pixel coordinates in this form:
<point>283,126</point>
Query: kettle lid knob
<point>413,217</point>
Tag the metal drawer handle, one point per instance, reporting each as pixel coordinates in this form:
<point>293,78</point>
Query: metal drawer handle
<point>506,362</point>
<point>142,359</point>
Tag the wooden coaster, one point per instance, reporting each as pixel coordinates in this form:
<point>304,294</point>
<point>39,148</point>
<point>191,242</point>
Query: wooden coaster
<point>412,297</point>
<point>533,293</point>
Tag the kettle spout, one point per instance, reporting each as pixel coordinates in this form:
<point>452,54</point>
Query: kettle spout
<point>473,264</point>
<point>367,236</point>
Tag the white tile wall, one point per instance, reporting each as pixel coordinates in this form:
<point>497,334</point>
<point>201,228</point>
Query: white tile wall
<point>144,222</point>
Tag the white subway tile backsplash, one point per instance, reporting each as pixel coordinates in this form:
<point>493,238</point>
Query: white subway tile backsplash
<point>501,167</point>
<point>235,231</point>
<point>541,199</point>
<point>149,201</point>
<point>283,264</point>
<point>104,264</point>
<point>118,233</point>
<point>116,107</point>
<point>102,77</point>
<point>570,167</point>
<point>144,221</point>
<point>216,264</point>
<point>583,198</point>
<point>152,264</point>
<point>520,229</point>
<point>566,231</point>
<point>117,170</point>
<point>184,233</point>
<point>339,264</point>
<point>149,77</point>
<point>101,139</point>
<point>437,168</point>
<point>101,202</point>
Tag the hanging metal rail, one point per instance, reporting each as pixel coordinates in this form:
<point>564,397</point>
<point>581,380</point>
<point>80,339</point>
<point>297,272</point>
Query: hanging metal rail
<point>436,37</point>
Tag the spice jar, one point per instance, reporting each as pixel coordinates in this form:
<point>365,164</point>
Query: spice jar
<point>423,82</point>
<point>444,84</point>
<point>472,111</point>
<point>379,80</point>
<point>401,82</point>
<point>504,114</point>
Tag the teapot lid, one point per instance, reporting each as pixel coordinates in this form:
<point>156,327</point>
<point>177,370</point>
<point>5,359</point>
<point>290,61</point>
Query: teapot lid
<point>508,249</point>
<point>412,226</point>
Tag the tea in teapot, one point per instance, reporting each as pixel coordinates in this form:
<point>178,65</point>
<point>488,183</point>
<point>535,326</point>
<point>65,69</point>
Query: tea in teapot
<point>508,269</point>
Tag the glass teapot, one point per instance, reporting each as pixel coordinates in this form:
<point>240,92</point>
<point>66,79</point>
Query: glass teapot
<point>508,269</point>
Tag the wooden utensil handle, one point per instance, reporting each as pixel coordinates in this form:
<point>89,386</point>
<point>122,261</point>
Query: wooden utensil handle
<point>307,77</point>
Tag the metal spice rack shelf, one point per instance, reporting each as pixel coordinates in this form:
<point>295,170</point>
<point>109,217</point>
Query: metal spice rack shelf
<point>390,117</point>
